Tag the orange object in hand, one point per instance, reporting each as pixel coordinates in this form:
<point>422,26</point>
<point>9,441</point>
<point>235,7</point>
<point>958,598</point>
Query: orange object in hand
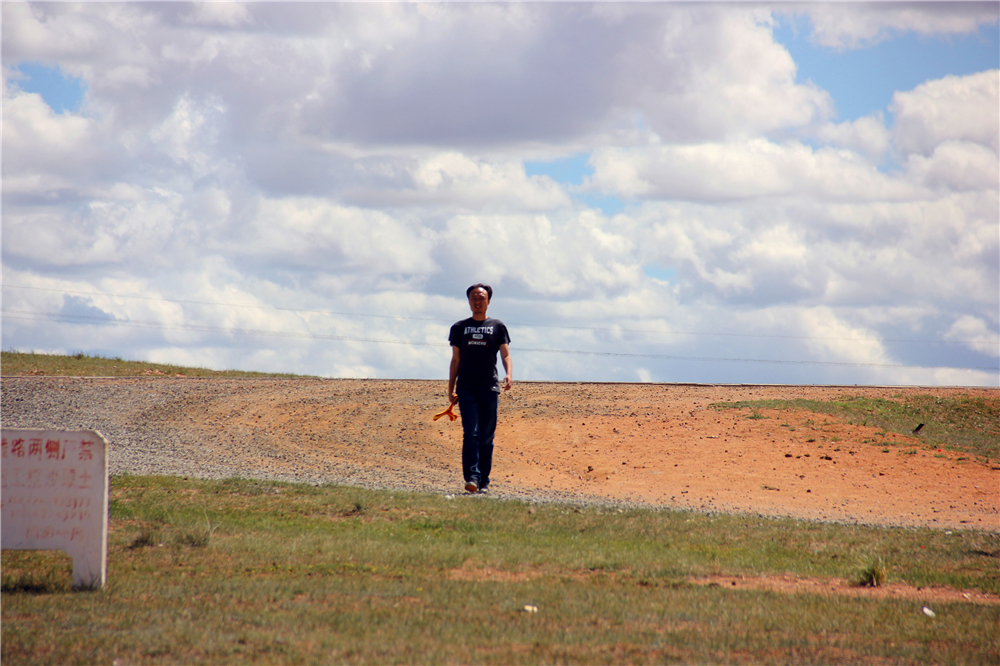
<point>450,414</point>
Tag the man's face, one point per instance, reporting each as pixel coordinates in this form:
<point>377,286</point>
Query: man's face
<point>479,300</point>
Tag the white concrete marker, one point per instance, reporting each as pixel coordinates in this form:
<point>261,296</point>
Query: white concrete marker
<point>55,497</point>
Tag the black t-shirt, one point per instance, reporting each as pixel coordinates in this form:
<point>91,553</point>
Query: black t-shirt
<point>478,343</point>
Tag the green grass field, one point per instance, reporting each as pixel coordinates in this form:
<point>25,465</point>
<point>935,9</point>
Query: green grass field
<point>237,571</point>
<point>253,572</point>
<point>967,424</point>
<point>85,365</point>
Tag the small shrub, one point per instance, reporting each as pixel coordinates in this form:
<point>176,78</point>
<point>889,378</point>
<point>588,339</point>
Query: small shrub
<point>874,574</point>
<point>356,510</point>
<point>146,538</point>
<point>194,536</point>
<point>193,539</point>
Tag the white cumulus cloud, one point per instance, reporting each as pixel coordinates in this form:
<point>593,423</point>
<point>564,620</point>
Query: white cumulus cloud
<point>309,187</point>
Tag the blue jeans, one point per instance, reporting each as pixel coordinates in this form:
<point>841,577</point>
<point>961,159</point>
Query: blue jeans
<point>478,407</point>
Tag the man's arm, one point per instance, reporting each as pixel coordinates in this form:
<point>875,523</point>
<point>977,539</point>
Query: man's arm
<point>456,359</point>
<point>508,366</point>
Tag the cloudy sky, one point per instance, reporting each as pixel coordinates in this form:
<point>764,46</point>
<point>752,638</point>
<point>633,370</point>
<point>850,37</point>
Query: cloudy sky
<point>733,193</point>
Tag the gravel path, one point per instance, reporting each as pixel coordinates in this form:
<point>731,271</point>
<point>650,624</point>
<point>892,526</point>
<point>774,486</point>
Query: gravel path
<point>225,428</point>
<point>136,416</point>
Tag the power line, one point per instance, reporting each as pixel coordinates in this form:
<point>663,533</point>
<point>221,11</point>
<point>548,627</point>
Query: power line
<point>737,360</point>
<point>91,319</point>
<point>229,305</point>
<point>522,325</point>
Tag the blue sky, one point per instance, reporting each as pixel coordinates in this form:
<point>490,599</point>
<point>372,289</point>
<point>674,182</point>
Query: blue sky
<point>863,80</point>
<point>60,91</point>
<point>218,187</point>
<point>572,172</point>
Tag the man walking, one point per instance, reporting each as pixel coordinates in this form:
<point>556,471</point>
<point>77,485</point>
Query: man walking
<point>474,384</point>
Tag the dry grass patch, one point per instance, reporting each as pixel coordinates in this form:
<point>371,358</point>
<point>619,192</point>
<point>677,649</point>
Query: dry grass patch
<point>304,574</point>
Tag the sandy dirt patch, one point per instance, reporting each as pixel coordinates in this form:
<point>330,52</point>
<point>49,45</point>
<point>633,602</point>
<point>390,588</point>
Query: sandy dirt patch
<point>666,445</point>
<point>658,445</point>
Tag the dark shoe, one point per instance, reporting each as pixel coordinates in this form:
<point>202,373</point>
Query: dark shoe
<point>472,486</point>
<point>484,490</point>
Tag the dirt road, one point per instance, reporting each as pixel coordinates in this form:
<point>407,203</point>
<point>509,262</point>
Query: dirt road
<point>650,444</point>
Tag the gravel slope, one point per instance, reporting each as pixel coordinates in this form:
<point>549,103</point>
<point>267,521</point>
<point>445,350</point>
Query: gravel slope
<point>626,444</point>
